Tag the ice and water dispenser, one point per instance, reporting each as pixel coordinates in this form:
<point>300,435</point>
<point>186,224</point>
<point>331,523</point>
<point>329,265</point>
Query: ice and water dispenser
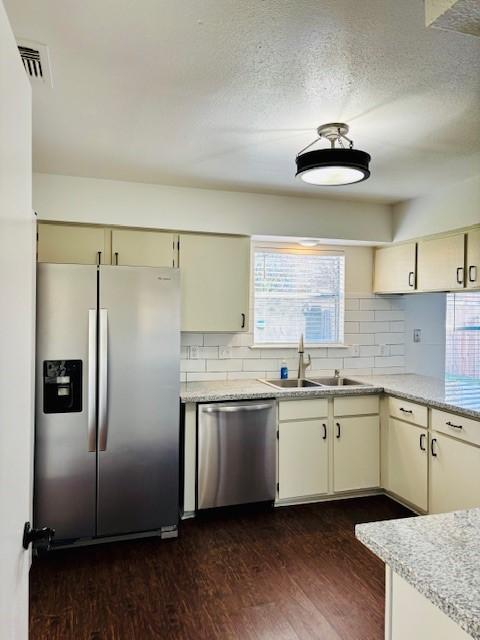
<point>62,386</point>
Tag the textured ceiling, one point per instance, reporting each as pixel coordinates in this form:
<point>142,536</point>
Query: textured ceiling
<point>454,15</point>
<point>223,93</point>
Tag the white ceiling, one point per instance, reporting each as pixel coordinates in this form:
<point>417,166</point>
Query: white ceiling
<point>223,93</point>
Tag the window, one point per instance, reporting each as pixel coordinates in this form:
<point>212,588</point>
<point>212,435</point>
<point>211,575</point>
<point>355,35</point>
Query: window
<point>463,336</point>
<point>298,291</point>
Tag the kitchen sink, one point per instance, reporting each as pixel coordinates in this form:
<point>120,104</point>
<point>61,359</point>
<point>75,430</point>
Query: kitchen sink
<point>290,384</point>
<point>337,382</point>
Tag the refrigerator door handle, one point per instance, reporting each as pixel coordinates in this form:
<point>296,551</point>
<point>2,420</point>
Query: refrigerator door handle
<point>92,381</point>
<point>103,381</point>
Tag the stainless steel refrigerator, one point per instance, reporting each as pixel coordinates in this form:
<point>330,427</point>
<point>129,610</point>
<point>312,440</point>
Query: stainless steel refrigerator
<point>107,414</point>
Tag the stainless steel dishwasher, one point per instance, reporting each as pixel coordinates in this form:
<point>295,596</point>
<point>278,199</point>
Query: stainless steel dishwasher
<point>236,453</point>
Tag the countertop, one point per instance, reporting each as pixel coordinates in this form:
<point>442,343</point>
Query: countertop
<point>458,395</point>
<point>438,555</point>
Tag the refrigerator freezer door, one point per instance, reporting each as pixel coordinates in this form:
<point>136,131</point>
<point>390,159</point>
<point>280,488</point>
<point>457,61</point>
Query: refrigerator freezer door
<point>139,359</point>
<point>65,447</point>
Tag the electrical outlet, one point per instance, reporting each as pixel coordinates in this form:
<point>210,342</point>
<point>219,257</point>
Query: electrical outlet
<point>417,335</point>
<point>225,353</point>
<point>355,350</point>
<point>194,352</point>
<point>384,350</point>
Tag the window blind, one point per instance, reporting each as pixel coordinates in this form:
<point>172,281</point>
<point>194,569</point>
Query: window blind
<point>298,292</point>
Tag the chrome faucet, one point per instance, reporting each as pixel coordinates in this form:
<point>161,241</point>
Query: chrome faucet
<point>336,374</point>
<point>302,365</point>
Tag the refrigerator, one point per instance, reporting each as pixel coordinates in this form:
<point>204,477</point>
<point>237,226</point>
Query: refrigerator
<point>107,402</point>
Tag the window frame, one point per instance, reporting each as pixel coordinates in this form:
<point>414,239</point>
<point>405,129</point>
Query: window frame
<point>276,247</point>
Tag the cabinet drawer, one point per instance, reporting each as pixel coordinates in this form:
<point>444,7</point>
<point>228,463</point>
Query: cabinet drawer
<point>355,405</point>
<point>454,425</point>
<point>301,409</point>
<point>409,411</point>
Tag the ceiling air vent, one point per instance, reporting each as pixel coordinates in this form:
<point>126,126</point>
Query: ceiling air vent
<point>36,60</point>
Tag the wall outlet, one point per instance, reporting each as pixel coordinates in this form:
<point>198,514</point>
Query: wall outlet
<point>384,350</point>
<point>194,353</point>
<point>355,350</point>
<point>225,353</point>
<point>417,335</point>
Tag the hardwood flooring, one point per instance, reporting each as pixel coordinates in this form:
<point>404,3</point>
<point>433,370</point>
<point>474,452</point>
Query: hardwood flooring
<point>285,574</point>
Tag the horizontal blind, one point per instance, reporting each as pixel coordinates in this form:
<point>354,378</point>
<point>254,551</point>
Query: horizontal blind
<point>463,335</point>
<point>298,292</point>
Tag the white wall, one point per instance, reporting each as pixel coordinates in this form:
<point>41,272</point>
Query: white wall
<point>91,200</point>
<point>16,334</point>
<point>425,311</point>
<point>449,208</point>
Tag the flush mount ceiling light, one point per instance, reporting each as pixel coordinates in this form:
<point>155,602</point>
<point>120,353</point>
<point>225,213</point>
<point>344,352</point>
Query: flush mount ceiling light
<point>334,166</point>
<point>309,242</point>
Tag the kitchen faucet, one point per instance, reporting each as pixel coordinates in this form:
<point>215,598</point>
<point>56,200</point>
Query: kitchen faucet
<point>302,365</point>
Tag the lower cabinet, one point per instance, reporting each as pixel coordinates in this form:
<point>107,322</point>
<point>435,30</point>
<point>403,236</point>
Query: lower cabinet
<point>356,453</point>
<point>408,462</point>
<point>454,474</point>
<point>302,458</point>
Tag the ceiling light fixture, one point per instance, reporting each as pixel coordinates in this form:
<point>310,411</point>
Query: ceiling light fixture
<point>309,242</point>
<point>334,166</point>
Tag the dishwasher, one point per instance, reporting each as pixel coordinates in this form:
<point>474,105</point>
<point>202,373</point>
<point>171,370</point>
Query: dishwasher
<point>236,453</point>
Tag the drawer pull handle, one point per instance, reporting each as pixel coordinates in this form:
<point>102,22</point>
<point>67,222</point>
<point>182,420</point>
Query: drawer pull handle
<point>422,442</point>
<point>472,273</point>
<point>411,279</point>
<point>406,410</point>
<point>324,431</point>
<point>243,317</point>
<point>460,275</point>
<point>432,448</point>
<point>337,424</point>
<point>455,426</point>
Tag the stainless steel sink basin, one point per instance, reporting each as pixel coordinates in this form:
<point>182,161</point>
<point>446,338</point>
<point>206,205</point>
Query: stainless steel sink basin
<point>337,382</point>
<point>290,384</point>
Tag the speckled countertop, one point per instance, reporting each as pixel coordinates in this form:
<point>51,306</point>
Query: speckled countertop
<point>438,555</point>
<point>460,396</point>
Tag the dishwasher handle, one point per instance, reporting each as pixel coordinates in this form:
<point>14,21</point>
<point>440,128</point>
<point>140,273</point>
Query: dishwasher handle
<point>236,409</point>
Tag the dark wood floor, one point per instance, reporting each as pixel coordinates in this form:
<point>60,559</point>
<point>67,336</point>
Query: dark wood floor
<point>289,573</point>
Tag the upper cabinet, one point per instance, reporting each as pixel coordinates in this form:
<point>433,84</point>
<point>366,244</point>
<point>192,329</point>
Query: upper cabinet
<point>215,276</point>
<point>473,259</point>
<point>395,269</point>
<point>74,244</point>
<point>441,263</point>
<point>144,248</point>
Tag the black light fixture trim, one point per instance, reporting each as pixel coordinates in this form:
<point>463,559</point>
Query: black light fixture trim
<point>350,158</point>
<point>336,158</point>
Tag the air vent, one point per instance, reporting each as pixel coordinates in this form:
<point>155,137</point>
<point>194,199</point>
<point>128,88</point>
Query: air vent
<point>36,60</point>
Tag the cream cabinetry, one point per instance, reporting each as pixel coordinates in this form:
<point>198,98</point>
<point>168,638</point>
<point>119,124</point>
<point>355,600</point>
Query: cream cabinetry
<point>454,474</point>
<point>395,269</point>
<point>356,443</point>
<point>408,462</point>
<point>76,244</point>
<point>144,248</point>
<point>473,259</point>
<point>215,276</point>
<point>302,448</point>
<point>441,263</point>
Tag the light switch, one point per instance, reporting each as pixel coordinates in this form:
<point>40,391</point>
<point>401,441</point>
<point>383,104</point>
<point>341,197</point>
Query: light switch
<point>417,335</point>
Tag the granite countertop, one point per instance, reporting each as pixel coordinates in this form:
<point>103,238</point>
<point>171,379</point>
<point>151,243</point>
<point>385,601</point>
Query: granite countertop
<point>438,555</point>
<point>457,395</point>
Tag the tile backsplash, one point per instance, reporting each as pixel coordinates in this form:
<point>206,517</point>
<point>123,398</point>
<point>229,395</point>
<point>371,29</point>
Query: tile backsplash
<point>374,344</point>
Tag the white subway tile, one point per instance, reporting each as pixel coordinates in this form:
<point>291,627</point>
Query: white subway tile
<point>192,365</point>
<point>352,327</point>
<point>262,364</point>
<point>340,352</point>
<point>389,338</point>
<point>375,303</point>
<point>224,365</point>
<point>359,338</point>
<point>245,375</point>
<point>326,363</point>
<point>374,327</point>
<point>197,377</point>
<point>397,349</point>
<point>189,339</point>
<point>218,339</point>
<point>387,371</point>
<point>274,353</point>
<point>351,304</point>
<point>357,372</point>
<point>389,361</point>
<point>363,316</point>
<point>370,350</point>
<point>358,363</point>
<point>389,316</point>
<point>209,353</point>
<point>397,326</point>
<point>242,340</point>
<point>243,352</point>
<point>184,352</point>
<point>183,377</point>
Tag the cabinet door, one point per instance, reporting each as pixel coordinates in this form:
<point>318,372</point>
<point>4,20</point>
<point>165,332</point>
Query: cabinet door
<point>302,459</point>
<point>473,259</point>
<point>395,269</point>
<point>215,275</point>
<point>454,474</point>
<point>408,462</point>
<point>356,453</point>
<point>441,263</point>
<point>143,248</point>
<point>64,243</point>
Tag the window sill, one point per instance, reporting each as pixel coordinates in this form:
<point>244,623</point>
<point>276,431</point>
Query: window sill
<point>335,345</point>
